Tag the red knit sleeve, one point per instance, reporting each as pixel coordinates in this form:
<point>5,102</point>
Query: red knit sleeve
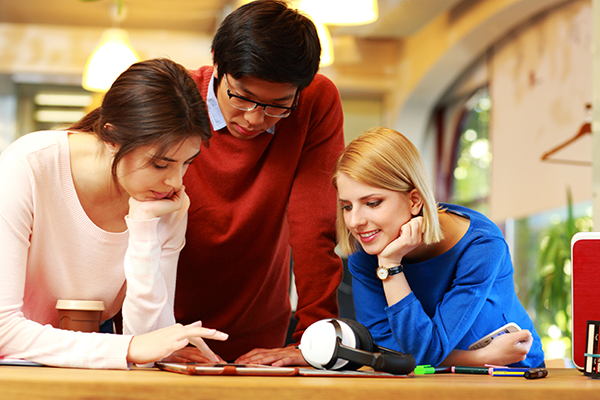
<point>312,206</point>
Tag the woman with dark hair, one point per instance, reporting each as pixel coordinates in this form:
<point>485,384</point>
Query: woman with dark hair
<point>99,212</point>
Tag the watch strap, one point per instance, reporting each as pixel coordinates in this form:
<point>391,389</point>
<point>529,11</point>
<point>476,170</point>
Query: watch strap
<point>395,270</point>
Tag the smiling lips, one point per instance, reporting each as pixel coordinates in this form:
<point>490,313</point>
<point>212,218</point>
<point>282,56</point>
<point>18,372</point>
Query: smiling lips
<point>368,236</point>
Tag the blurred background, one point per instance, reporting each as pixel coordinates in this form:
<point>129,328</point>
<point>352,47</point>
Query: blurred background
<point>497,94</point>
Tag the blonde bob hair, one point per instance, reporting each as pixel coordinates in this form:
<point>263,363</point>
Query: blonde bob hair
<point>385,158</point>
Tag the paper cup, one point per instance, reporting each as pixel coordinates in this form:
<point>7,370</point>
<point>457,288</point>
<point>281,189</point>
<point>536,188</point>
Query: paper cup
<point>79,315</point>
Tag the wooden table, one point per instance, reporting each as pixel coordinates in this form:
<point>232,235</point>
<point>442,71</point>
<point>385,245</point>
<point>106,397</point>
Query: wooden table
<point>30,383</point>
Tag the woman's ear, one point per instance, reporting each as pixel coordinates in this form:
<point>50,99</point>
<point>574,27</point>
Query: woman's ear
<point>416,202</point>
<point>112,148</point>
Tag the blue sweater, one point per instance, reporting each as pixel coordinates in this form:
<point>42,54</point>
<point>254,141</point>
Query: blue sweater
<point>457,297</point>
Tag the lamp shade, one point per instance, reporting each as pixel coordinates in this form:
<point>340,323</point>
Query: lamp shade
<point>113,55</point>
<point>326,44</point>
<point>340,12</point>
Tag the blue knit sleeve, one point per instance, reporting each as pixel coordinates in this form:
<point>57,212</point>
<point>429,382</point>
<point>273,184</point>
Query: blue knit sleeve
<point>447,300</point>
<point>431,337</point>
<point>457,297</point>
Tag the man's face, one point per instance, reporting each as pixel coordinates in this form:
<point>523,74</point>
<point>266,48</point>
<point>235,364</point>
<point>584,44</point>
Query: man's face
<point>249,124</point>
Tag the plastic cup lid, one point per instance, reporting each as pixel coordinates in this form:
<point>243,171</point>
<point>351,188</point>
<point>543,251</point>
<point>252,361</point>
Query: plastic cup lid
<point>87,305</point>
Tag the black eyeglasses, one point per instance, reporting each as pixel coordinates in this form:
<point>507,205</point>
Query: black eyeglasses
<point>244,104</point>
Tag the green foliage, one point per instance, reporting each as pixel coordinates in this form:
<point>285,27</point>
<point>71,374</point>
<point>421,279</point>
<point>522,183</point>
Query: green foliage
<point>471,186</point>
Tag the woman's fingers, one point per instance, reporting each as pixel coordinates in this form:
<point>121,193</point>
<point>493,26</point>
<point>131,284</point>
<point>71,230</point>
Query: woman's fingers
<point>201,344</point>
<point>155,345</point>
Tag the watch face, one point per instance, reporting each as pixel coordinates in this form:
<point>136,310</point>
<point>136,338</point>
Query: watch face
<point>382,272</point>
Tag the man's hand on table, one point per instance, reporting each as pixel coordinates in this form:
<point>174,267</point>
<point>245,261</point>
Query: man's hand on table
<point>277,357</point>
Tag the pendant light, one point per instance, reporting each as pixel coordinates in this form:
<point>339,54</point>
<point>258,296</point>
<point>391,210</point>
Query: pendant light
<point>334,12</point>
<point>112,56</point>
<point>340,12</point>
<point>326,44</point>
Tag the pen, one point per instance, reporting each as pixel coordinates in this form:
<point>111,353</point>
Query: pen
<point>510,369</point>
<point>535,373</point>
<point>507,371</point>
<point>472,370</point>
<point>428,369</point>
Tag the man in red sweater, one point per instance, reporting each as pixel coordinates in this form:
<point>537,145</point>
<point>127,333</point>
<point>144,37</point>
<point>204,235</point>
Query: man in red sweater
<point>261,192</point>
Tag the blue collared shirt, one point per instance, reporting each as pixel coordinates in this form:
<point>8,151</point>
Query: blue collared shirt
<point>214,111</point>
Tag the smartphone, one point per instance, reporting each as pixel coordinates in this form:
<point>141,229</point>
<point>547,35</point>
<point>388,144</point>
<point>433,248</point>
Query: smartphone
<point>487,339</point>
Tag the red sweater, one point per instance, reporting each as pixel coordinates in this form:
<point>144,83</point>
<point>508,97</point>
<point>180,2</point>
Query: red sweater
<point>252,202</point>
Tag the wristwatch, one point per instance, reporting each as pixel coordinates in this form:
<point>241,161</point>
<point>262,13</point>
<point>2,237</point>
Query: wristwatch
<point>383,273</point>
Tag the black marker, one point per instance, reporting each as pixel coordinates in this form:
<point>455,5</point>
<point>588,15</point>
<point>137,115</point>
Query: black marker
<point>536,373</point>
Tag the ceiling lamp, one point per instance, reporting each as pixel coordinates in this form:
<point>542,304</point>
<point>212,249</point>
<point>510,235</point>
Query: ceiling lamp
<point>333,12</point>
<point>340,12</point>
<point>112,56</point>
<point>326,44</point>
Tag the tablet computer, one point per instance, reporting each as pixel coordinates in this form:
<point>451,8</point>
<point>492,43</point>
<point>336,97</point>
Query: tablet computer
<point>226,369</point>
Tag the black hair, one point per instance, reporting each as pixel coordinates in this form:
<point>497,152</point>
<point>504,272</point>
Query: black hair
<point>266,39</point>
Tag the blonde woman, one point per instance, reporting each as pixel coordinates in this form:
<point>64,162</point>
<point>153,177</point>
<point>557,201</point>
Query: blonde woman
<point>428,279</point>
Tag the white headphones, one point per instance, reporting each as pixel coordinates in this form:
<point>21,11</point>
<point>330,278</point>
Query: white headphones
<point>346,344</point>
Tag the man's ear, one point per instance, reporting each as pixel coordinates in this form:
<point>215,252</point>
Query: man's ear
<point>215,72</point>
<point>416,202</point>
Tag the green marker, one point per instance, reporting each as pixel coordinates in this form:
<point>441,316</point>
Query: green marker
<point>428,369</point>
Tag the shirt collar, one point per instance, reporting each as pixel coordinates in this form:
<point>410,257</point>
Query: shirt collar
<point>214,111</point>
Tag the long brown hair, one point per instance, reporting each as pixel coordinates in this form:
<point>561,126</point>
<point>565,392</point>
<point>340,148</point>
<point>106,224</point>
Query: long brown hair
<point>154,102</point>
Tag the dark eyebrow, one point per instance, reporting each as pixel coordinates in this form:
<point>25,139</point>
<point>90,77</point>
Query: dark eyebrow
<point>249,93</point>
<point>167,159</point>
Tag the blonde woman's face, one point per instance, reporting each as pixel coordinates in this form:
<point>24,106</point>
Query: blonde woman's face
<point>373,215</point>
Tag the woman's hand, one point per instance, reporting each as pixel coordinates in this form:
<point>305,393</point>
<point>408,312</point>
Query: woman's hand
<point>158,344</point>
<point>143,210</point>
<point>410,237</point>
<point>508,348</point>
<point>191,354</point>
<point>503,350</point>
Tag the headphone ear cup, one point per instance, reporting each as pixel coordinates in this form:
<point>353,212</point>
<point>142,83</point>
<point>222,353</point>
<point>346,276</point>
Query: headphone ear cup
<point>364,341</point>
<point>319,343</point>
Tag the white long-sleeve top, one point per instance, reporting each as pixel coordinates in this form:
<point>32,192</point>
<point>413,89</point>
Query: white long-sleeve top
<point>50,250</point>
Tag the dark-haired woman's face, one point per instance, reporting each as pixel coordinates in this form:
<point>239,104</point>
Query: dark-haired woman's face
<point>145,178</point>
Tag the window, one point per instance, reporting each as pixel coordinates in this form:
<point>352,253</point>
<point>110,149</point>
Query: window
<point>470,180</point>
